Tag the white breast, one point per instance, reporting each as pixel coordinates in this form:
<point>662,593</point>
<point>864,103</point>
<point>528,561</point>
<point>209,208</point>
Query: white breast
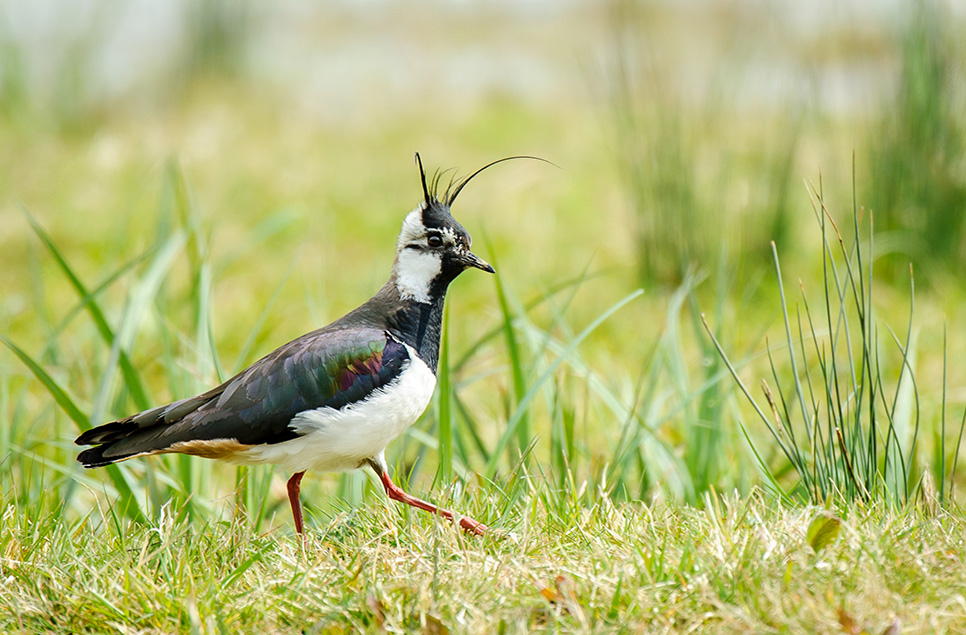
<point>336,440</point>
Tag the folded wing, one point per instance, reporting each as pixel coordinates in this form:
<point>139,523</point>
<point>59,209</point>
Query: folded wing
<point>320,369</point>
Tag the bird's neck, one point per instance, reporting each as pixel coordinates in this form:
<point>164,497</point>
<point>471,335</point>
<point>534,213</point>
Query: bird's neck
<point>420,325</point>
<point>417,324</point>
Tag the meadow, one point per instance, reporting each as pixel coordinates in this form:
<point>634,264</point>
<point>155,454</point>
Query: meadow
<point>715,386</point>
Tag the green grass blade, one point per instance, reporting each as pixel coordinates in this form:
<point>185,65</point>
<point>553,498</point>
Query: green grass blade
<point>445,410</point>
<point>259,322</point>
<point>538,384</point>
<point>789,454</point>
<point>517,371</point>
<point>791,346</point>
<point>59,394</point>
<point>140,299</point>
<point>85,301</point>
<point>533,304</point>
<point>127,501</point>
<point>959,442</point>
<point>132,378</point>
<point>942,425</point>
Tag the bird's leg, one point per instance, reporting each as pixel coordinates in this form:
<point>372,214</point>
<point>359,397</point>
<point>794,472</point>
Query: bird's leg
<point>394,492</point>
<point>293,498</point>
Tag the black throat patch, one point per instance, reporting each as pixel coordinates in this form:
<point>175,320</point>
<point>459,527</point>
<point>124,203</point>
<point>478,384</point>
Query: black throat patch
<point>420,325</point>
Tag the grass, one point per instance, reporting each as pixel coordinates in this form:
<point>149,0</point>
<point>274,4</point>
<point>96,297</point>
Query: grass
<point>684,161</point>
<point>175,543</point>
<point>857,434</point>
<point>920,193</point>
<point>146,255</point>
<point>738,565</point>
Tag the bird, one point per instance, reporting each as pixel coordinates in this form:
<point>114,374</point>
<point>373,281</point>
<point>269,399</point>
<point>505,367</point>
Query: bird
<point>333,399</point>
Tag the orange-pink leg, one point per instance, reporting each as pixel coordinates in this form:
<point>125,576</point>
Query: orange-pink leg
<point>395,493</point>
<point>293,498</point>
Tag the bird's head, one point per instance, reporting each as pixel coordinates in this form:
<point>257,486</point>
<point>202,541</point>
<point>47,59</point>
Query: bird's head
<point>433,247</point>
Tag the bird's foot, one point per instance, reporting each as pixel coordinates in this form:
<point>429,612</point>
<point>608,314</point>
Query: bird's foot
<point>473,526</point>
<point>395,493</point>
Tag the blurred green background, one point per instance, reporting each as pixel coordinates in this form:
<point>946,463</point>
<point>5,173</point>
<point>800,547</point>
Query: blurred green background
<point>214,178</point>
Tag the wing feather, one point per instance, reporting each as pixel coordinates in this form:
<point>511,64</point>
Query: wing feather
<point>331,368</point>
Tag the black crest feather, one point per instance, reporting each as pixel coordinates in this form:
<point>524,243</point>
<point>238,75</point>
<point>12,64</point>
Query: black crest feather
<point>422,177</point>
<point>456,186</point>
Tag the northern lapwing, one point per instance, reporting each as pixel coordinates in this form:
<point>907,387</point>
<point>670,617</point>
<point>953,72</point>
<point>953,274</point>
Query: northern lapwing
<point>333,399</point>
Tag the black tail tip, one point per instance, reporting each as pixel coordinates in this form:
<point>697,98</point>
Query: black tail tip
<point>94,457</point>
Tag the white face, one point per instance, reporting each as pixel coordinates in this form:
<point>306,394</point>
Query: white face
<point>417,261</point>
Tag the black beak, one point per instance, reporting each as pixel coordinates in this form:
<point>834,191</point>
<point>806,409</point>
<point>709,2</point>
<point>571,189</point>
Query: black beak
<point>469,259</point>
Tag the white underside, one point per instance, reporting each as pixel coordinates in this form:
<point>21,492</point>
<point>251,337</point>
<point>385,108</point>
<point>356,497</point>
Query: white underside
<point>337,440</point>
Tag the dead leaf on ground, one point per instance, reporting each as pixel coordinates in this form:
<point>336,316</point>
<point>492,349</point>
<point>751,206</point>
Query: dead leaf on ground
<point>892,629</point>
<point>851,626</point>
<point>549,594</point>
<point>378,611</point>
<point>848,623</point>
<point>434,626</point>
<point>564,596</point>
<point>823,530</point>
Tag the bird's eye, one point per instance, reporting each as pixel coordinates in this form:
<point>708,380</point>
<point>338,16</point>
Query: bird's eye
<point>434,240</point>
